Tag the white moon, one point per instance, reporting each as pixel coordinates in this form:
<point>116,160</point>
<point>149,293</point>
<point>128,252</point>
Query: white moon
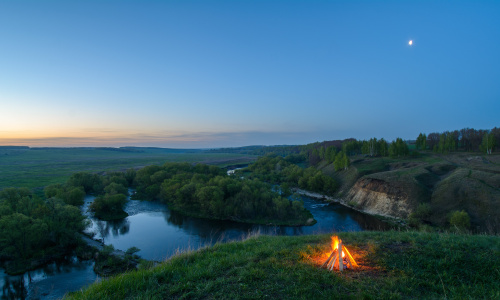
<point>410,42</point>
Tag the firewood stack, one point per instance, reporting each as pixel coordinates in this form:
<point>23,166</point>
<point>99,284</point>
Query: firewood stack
<point>340,257</point>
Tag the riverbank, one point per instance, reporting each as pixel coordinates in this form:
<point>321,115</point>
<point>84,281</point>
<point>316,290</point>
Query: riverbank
<point>110,261</point>
<point>386,218</point>
<point>98,245</point>
<point>315,195</point>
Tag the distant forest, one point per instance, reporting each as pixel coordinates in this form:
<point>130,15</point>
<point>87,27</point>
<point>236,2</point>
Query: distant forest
<point>465,140</point>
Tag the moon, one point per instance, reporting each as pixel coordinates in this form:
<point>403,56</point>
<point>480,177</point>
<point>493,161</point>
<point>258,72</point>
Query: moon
<point>410,42</point>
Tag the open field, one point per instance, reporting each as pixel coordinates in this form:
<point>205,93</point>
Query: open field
<point>35,168</point>
<point>392,265</point>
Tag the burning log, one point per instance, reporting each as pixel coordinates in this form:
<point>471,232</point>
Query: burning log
<point>340,257</point>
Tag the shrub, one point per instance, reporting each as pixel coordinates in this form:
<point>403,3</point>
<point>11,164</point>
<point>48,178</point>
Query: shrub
<point>460,220</point>
<point>423,211</point>
<point>413,221</point>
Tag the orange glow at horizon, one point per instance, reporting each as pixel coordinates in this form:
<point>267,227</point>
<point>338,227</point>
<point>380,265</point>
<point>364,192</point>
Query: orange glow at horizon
<point>103,137</point>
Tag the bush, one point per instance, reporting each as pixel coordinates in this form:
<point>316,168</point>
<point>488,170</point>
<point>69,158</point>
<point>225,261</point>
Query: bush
<point>109,207</point>
<point>460,220</point>
<point>414,221</point>
<point>423,211</point>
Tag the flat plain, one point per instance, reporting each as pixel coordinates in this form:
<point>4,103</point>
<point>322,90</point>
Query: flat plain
<point>35,168</point>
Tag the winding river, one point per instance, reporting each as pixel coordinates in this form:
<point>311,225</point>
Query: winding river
<point>161,233</point>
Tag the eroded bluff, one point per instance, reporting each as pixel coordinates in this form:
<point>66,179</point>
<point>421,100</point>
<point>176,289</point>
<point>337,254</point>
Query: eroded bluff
<point>379,197</point>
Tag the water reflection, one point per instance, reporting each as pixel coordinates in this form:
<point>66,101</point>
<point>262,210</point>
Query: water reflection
<point>114,227</point>
<point>160,233</point>
<point>174,219</point>
<point>49,282</point>
<point>13,287</point>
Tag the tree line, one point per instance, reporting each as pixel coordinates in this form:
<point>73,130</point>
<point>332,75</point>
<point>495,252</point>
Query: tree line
<point>278,170</point>
<point>467,139</point>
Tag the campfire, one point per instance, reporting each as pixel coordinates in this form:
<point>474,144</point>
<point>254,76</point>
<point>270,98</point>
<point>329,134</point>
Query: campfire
<point>340,257</point>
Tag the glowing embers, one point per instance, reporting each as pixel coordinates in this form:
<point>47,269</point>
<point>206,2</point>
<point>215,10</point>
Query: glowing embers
<point>342,261</point>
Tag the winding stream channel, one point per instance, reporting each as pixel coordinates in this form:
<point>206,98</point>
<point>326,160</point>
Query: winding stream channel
<point>161,233</point>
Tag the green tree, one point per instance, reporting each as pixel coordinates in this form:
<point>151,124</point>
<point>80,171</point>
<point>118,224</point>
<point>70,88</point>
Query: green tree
<point>74,196</point>
<point>421,143</point>
<point>91,183</point>
<point>346,161</point>
<point>450,144</point>
<point>208,194</point>
<point>130,176</point>
<point>352,147</point>
<point>446,143</point>
<point>63,222</point>
<point>383,147</point>
<point>365,147</point>
<point>109,206</point>
<point>21,236</point>
<point>341,161</point>
<point>488,144</point>
<point>330,154</point>
<point>372,146</point>
<point>13,198</point>
<point>338,164</point>
<point>321,152</point>
<point>314,157</point>
<point>398,148</point>
<point>115,188</point>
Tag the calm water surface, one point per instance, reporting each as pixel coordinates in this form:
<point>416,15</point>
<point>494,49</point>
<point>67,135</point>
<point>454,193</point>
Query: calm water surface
<point>161,233</point>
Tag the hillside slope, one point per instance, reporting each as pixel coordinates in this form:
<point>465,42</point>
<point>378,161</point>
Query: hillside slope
<point>393,265</point>
<point>446,183</point>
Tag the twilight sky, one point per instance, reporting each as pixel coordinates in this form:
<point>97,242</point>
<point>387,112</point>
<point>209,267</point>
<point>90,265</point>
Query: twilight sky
<point>196,74</point>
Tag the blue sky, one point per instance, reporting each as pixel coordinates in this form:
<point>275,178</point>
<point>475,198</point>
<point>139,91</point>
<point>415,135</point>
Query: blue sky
<point>196,74</point>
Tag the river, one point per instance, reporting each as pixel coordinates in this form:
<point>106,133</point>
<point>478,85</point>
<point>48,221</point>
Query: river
<point>161,233</point>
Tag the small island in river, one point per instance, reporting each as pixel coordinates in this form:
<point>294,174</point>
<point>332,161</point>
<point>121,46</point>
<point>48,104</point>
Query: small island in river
<point>207,192</point>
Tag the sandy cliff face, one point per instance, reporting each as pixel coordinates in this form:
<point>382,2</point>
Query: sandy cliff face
<point>379,197</point>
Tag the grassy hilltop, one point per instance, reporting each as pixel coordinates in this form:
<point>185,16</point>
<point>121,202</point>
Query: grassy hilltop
<point>393,265</point>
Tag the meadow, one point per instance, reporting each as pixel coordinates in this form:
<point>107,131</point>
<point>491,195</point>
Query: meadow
<point>35,168</point>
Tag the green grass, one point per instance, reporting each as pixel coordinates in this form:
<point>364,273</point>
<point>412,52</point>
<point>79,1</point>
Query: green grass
<point>36,168</point>
<point>393,265</point>
<point>368,166</point>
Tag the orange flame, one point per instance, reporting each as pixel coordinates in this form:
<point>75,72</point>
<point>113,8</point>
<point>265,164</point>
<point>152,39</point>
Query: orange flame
<point>335,244</point>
